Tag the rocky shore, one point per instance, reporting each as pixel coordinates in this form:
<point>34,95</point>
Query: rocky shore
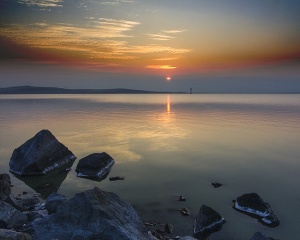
<point>95,214</point>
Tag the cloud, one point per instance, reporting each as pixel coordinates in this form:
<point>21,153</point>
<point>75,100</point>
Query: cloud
<point>103,42</point>
<point>160,37</point>
<point>116,2</point>
<point>164,67</point>
<point>42,3</point>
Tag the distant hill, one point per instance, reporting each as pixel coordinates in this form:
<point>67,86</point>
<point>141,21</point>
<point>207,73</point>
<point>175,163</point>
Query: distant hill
<point>54,90</point>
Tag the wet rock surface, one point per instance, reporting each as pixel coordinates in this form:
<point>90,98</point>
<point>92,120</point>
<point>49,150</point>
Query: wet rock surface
<point>4,186</point>
<point>53,201</point>
<point>95,165</point>
<point>10,217</point>
<point>207,222</point>
<point>253,205</point>
<point>40,155</point>
<point>93,214</point>
<point>6,234</point>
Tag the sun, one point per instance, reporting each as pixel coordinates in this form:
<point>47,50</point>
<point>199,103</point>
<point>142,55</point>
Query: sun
<point>168,78</point>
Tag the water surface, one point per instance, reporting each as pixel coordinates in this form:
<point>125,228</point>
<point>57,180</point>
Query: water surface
<point>170,145</point>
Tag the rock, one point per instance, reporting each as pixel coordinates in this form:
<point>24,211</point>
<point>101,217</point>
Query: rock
<point>207,222</point>
<point>253,205</point>
<point>95,165</point>
<point>29,202</point>
<point>181,198</point>
<point>260,236</point>
<point>6,234</point>
<point>169,228</point>
<point>116,178</point>
<point>54,201</point>
<point>10,217</point>
<point>40,155</point>
<point>187,238</point>
<point>184,211</point>
<point>4,186</point>
<point>93,214</point>
<point>216,184</point>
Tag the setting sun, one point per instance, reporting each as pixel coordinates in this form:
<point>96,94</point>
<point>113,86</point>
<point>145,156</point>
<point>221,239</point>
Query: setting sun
<point>168,78</point>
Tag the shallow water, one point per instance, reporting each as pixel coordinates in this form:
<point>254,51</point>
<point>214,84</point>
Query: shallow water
<point>170,145</point>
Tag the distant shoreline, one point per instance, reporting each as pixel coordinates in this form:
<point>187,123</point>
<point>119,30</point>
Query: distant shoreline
<point>55,90</point>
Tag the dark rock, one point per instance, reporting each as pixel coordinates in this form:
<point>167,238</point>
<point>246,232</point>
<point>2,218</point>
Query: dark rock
<point>4,186</point>
<point>95,165</point>
<point>116,178</point>
<point>253,205</point>
<point>216,184</point>
<point>181,198</point>
<point>6,234</point>
<point>40,155</point>
<point>93,214</point>
<point>29,202</point>
<point>184,211</point>
<point>10,217</point>
<point>54,201</point>
<point>169,228</point>
<point>46,184</point>
<point>207,222</point>
<point>260,236</point>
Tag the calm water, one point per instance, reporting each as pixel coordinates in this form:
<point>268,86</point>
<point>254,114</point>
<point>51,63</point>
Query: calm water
<point>166,145</point>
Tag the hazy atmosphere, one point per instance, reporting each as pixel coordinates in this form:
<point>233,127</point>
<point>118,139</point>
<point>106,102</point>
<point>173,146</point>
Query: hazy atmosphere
<point>211,46</point>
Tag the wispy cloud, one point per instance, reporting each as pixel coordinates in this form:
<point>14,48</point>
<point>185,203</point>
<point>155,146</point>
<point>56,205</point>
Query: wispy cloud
<point>164,67</point>
<point>116,2</point>
<point>42,3</point>
<point>104,40</point>
<point>164,35</point>
<point>160,37</point>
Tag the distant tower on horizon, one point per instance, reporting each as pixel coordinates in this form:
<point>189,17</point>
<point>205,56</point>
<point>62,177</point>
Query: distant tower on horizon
<point>191,90</point>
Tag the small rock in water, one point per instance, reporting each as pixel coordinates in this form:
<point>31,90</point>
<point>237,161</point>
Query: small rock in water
<point>252,204</point>
<point>184,211</point>
<point>216,184</point>
<point>169,228</point>
<point>181,198</point>
<point>116,178</point>
<point>95,165</point>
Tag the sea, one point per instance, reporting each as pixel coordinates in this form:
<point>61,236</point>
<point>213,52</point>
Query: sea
<point>166,145</point>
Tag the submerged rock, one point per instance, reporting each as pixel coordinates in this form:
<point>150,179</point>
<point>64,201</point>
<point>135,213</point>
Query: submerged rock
<point>95,165</point>
<point>93,214</point>
<point>207,222</point>
<point>254,205</point>
<point>116,178</point>
<point>216,184</point>
<point>260,236</point>
<point>40,155</point>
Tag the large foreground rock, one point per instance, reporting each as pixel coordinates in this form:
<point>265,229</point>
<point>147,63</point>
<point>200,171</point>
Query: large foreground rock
<point>95,165</point>
<point>10,217</point>
<point>93,214</point>
<point>253,205</point>
<point>207,222</point>
<point>6,234</point>
<point>54,200</point>
<point>4,186</point>
<point>40,155</point>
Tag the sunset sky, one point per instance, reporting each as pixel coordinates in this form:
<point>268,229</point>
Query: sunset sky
<point>210,45</point>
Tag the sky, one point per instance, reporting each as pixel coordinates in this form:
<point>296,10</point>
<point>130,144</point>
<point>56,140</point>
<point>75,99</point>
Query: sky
<point>166,45</point>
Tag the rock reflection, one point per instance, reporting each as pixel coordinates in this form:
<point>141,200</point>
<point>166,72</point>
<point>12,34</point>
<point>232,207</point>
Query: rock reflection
<point>46,184</point>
